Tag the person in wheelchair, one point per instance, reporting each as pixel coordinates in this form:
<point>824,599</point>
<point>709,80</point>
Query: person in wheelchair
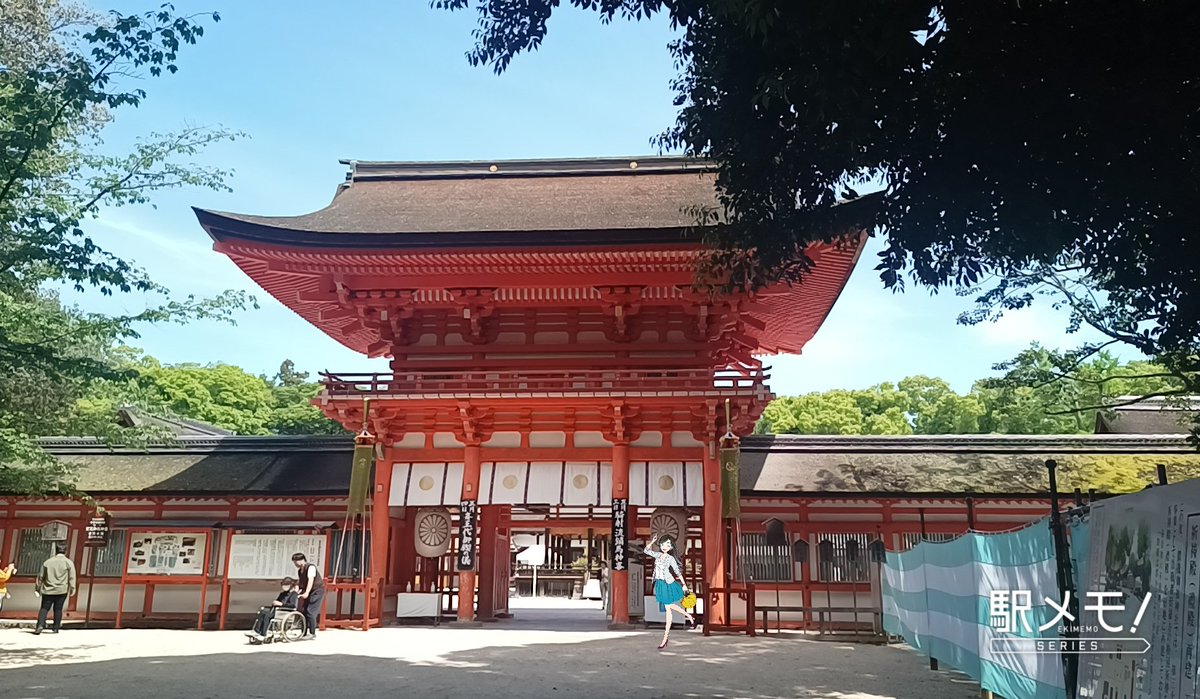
<point>286,600</point>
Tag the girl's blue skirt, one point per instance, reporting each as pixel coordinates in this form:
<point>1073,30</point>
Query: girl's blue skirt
<point>667,593</point>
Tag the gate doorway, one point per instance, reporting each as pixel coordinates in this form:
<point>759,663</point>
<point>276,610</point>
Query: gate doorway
<point>560,567</point>
<point>551,564</point>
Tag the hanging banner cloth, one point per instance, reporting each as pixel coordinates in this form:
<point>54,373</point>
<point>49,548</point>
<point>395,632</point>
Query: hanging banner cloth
<point>360,467</point>
<point>730,461</point>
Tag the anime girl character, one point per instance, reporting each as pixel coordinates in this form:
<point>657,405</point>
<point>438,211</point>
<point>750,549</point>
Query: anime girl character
<point>668,588</point>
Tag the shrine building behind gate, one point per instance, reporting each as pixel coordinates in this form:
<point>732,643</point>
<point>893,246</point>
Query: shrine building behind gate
<point>832,497</point>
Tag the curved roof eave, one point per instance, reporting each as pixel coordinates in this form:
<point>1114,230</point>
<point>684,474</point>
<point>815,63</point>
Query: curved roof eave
<point>275,232</point>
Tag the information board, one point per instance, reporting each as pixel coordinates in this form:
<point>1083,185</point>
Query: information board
<point>269,556</point>
<point>180,553</point>
<point>620,543</point>
<point>1144,551</point>
<point>96,534</point>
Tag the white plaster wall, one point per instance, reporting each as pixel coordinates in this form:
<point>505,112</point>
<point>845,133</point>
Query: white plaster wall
<point>411,440</point>
<point>591,439</point>
<point>446,440</point>
<point>648,439</point>
<point>684,439</point>
<point>503,439</point>
<point>547,440</point>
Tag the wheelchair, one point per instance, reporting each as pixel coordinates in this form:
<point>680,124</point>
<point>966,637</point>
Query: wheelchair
<point>286,625</point>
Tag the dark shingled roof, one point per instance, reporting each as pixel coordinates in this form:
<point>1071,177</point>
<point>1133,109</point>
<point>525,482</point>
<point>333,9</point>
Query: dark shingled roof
<point>389,204</point>
<point>216,465</point>
<point>790,464</point>
<point>178,426</point>
<point>783,465</point>
<point>1152,416</point>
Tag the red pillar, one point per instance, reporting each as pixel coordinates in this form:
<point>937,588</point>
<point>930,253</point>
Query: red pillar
<point>489,522</point>
<point>381,526</point>
<point>714,533</point>
<point>619,579</point>
<point>470,492</point>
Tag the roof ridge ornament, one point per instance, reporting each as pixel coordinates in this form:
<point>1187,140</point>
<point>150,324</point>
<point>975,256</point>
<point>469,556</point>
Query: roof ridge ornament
<point>360,170</point>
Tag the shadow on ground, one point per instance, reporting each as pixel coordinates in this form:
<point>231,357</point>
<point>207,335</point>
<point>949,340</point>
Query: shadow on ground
<point>692,666</point>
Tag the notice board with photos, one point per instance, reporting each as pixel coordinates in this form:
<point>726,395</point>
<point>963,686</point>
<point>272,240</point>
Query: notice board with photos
<point>269,556</point>
<point>175,553</point>
<point>1143,552</point>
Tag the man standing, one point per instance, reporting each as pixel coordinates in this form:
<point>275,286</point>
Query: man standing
<point>55,583</point>
<point>312,593</point>
<point>604,583</point>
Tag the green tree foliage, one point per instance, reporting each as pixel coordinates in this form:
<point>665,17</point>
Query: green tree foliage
<point>292,411</point>
<point>221,395</point>
<point>1009,146</point>
<point>981,472</point>
<point>218,394</point>
<point>1029,399</point>
<point>65,73</point>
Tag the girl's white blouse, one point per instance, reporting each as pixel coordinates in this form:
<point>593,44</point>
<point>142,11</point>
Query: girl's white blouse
<point>664,563</point>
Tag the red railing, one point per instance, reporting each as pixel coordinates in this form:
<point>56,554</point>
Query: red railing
<point>546,381</point>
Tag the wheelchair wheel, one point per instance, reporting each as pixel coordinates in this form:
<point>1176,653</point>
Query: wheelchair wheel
<point>292,627</point>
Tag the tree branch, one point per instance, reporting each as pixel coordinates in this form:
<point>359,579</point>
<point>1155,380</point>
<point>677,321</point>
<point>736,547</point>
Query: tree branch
<point>1119,404</point>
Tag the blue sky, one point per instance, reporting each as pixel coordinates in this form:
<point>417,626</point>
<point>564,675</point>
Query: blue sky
<point>314,82</point>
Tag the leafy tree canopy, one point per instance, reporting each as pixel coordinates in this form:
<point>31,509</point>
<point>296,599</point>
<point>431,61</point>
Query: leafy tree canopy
<point>1029,399</point>
<point>221,395</point>
<point>1011,150</point>
<point>65,73</point>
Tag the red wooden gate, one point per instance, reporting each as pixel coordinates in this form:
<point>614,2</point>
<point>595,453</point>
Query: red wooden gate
<point>501,567</point>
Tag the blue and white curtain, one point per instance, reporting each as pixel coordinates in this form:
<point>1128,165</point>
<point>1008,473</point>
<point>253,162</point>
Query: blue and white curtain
<point>938,597</point>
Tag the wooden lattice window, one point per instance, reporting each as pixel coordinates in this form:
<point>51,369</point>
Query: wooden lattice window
<point>843,557</point>
<point>111,558</point>
<point>32,552</point>
<point>758,561</point>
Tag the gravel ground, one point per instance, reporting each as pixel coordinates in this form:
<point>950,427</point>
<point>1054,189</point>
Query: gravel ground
<point>541,653</point>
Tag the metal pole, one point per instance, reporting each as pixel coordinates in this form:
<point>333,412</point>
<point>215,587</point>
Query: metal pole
<point>87,614</point>
<point>729,571</point>
<point>933,663</point>
<point>854,593</point>
<point>971,513</point>
<point>1162,474</point>
<point>1065,585</point>
<point>363,543</point>
<point>778,614</point>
